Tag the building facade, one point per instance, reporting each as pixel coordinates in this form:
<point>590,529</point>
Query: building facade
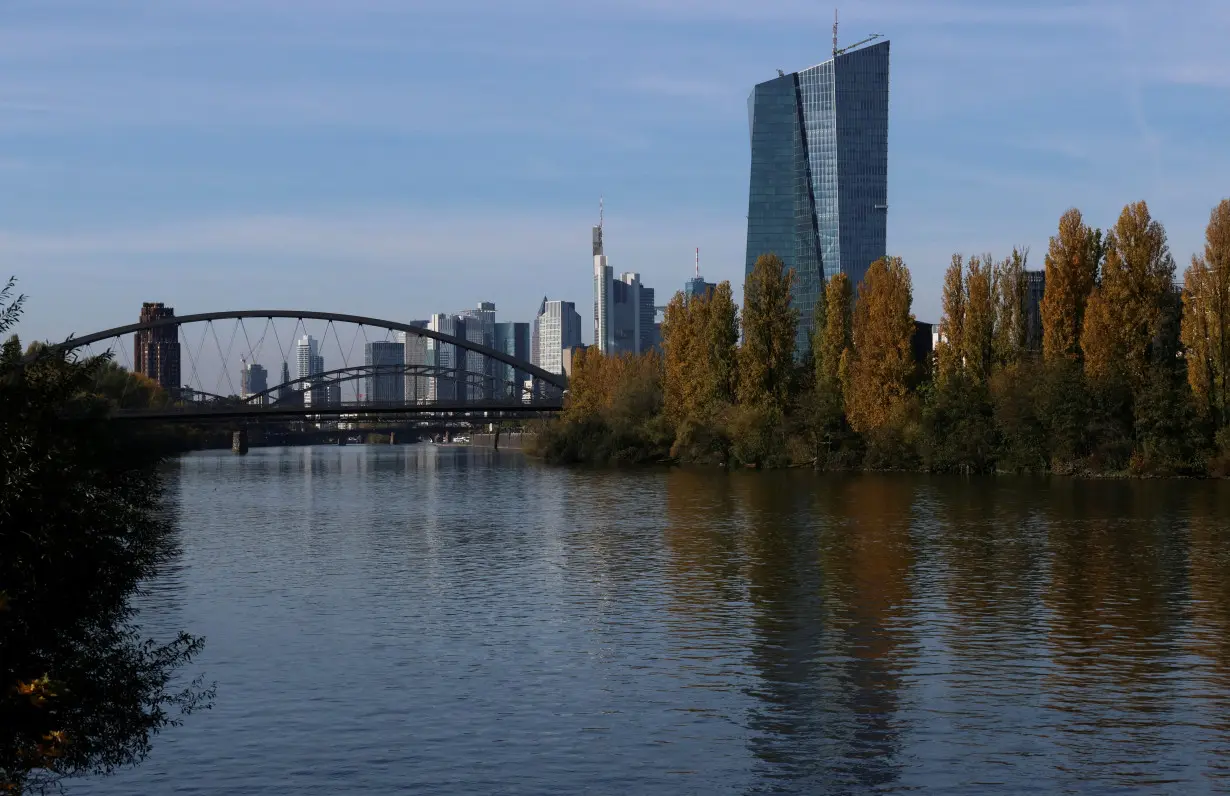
<point>444,356</point>
<point>415,387</point>
<point>386,383</point>
<point>511,338</point>
<point>479,327</point>
<point>818,189</point>
<point>557,326</point>
<point>311,364</point>
<point>253,379</point>
<point>156,351</point>
<point>603,286</point>
<point>1035,288</point>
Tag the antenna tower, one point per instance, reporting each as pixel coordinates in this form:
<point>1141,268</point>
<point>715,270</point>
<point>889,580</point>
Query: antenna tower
<point>834,32</point>
<point>600,209</point>
<point>698,262</point>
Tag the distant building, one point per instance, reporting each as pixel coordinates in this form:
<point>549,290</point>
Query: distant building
<point>333,395</point>
<point>568,358</point>
<point>1035,288</point>
<point>156,351</point>
<point>415,355</point>
<point>511,338</point>
<point>557,326</point>
<point>922,342</point>
<point>253,379</point>
<point>479,327</point>
<point>443,356</point>
<point>387,382</point>
<point>818,188</point>
<point>603,281</point>
<point>311,363</point>
<point>285,392</point>
<point>697,286</point>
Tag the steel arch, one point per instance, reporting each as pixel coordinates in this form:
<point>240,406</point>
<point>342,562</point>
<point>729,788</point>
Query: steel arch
<point>554,379</point>
<point>357,372</point>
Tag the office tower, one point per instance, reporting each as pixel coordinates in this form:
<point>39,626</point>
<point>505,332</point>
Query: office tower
<point>156,351</point>
<point>1035,288</point>
<point>479,328</point>
<point>253,379</point>
<point>333,395</point>
<point>818,193</point>
<point>603,282</point>
<point>645,321</point>
<point>284,389</point>
<point>557,326</point>
<point>697,286</point>
<point>386,382</point>
<point>311,364</point>
<point>513,339</point>
<point>415,355</point>
<point>443,356</point>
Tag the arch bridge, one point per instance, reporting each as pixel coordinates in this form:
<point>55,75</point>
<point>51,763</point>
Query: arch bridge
<point>400,369</point>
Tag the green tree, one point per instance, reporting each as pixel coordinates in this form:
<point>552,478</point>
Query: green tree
<point>81,527</point>
<point>1011,328</point>
<point>766,358</point>
<point>979,326</point>
<point>882,364</point>
<point>1072,263</point>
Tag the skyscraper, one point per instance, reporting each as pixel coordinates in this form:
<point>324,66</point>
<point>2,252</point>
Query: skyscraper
<point>444,356</point>
<point>156,351</point>
<point>311,363</point>
<point>415,354</point>
<point>387,381</point>
<point>818,193</point>
<point>603,279</point>
<point>285,393</point>
<point>1035,289</point>
<point>479,327</point>
<point>557,326</point>
<point>697,286</point>
<point>253,379</point>
<point>512,339</point>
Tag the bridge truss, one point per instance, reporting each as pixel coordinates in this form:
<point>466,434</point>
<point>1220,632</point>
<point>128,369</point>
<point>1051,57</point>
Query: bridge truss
<point>332,368</point>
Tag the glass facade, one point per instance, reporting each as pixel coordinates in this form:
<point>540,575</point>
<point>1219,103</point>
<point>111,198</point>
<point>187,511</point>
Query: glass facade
<point>818,193</point>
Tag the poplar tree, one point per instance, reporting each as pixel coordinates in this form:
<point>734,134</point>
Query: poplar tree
<point>766,358</point>
<point>838,332</point>
<point>722,344</point>
<point>979,326</point>
<point>1072,262</point>
<point>882,361</point>
<point>1011,332</point>
<point>951,347</point>
<point>1206,320</point>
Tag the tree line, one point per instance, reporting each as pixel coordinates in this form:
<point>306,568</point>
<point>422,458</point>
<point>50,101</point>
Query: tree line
<point>1121,369</point>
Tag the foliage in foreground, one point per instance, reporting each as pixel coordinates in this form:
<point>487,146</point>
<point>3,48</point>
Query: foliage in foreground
<point>1121,371</point>
<point>81,526</point>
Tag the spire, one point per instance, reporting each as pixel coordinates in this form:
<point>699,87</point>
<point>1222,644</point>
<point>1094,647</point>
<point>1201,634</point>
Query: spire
<point>698,262</point>
<point>834,32</point>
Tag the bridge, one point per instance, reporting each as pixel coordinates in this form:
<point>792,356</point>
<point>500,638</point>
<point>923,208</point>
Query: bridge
<point>413,372</point>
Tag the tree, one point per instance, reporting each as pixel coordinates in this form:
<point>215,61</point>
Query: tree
<point>1011,327</point>
<point>882,363</point>
<point>838,332</point>
<point>722,339</point>
<point>950,351</point>
<point>80,528</point>
<point>1206,320</point>
<point>979,326</point>
<point>1071,270</point>
<point>766,358</point>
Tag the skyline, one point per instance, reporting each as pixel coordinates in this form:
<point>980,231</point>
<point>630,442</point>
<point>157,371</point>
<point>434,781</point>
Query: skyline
<point>461,150</point>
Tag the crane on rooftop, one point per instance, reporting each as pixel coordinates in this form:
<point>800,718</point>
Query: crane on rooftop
<point>844,50</point>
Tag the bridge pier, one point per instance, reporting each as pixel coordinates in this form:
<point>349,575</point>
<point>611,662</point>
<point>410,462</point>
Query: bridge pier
<point>239,441</point>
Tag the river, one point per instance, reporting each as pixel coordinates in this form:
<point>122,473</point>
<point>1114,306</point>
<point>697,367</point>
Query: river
<point>412,619</point>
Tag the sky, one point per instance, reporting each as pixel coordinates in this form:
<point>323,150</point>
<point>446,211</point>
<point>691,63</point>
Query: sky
<point>394,158</point>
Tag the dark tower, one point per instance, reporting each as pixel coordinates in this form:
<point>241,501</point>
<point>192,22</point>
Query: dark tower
<point>156,350</point>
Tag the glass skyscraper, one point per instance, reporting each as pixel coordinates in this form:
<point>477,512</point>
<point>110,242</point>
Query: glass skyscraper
<point>818,195</point>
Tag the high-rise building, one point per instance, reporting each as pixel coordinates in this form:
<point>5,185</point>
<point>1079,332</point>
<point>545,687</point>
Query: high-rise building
<point>284,390</point>
<point>697,286</point>
<point>311,364</point>
<point>415,355</point>
<point>253,379</point>
<point>479,328</point>
<point>557,326</point>
<point>513,339</point>
<point>386,383</point>
<point>156,351</point>
<point>444,356</point>
<point>1035,288</point>
<point>818,193</point>
<point>603,287</point>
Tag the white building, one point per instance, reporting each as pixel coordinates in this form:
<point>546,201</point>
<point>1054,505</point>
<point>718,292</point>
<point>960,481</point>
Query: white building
<point>416,354</point>
<point>442,355</point>
<point>558,326</point>
<point>307,354</point>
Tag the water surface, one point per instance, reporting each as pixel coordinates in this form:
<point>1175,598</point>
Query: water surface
<point>412,619</point>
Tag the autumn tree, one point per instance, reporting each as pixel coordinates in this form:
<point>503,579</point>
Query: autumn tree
<point>1072,262</point>
<point>979,326</point>
<point>722,343</point>
<point>882,363</point>
<point>838,336</point>
<point>766,358</point>
<point>1206,320</point>
<point>951,347</point>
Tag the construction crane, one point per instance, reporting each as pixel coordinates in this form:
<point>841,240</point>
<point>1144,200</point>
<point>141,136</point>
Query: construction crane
<point>870,38</point>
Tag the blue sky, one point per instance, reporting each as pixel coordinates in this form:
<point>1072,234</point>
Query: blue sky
<point>396,157</point>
